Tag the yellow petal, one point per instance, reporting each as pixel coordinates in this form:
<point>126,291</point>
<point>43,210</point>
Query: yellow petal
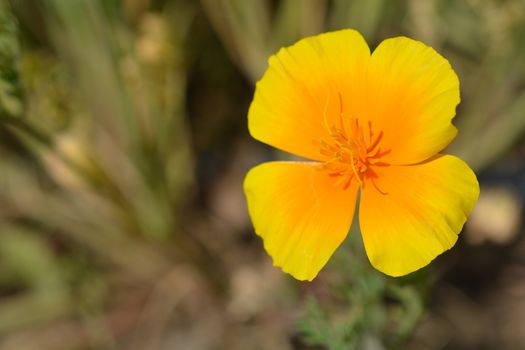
<point>300,214</point>
<point>412,94</point>
<point>419,214</point>
<point>305,88</point>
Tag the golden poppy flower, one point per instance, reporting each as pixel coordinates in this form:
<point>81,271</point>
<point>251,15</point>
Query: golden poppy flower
<point>369,123</point>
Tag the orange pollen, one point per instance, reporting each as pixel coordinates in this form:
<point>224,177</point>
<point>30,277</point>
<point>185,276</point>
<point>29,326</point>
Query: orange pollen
<point>352,154</point>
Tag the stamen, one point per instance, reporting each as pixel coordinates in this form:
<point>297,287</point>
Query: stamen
<point>351,150</point>
<point>341,180</point>
<point>347,184</point>
<point>376,142</point>
<point>370,133</point>
<point>377,188</point>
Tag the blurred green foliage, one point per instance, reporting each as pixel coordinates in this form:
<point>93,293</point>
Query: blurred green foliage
<point>9,54</point>
<point>95,154</point>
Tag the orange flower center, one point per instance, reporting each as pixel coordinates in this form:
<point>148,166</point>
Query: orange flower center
<point>351,152</point>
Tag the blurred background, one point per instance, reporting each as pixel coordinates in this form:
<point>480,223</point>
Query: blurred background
<point>123,147</point>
